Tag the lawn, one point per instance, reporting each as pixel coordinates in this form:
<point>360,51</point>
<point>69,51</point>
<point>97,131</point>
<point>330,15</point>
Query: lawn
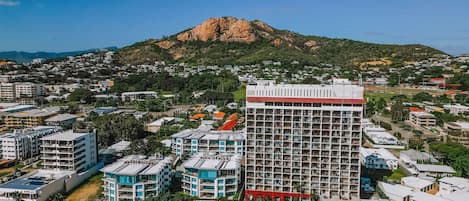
<point>89,190</point>
<point>240,94</point>
<point>397,175</point>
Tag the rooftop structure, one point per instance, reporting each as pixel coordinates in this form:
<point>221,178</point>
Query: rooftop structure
<point>378,159</point>
<point>191,141</point>
<point>30,118</point>
<point>36,186</point>
<point>136,177</point>
<point>206,170</point>
<point>418,184</point>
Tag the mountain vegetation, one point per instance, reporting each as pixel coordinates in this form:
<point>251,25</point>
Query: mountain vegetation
<point>230,40</point>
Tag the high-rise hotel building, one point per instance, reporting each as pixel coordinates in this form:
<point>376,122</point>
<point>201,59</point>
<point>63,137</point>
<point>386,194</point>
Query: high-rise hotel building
<point>303,141</point>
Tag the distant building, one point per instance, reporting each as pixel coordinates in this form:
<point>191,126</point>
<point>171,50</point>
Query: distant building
<point>138,95</point>
<point>456,109</point>
<point>378,159</point>
<point>38,185</point>
<point>191,141</point>
<point>212,176</point>
<point>449,185</point>
<point>64,120</point>
<point>423,164</point>
<point>423,119</point>
<point>136,177</point>
<point>24,144</point>
<point>30,118</point>
<point>419,184</point>
<point>69,150</point>
<point>458,132</point>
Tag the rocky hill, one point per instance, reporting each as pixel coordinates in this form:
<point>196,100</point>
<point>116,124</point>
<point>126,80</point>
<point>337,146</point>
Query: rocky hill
<point>229,40</point>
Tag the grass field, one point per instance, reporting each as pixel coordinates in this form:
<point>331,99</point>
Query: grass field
<point>6,171</point>
<point>388,92</point>
<point>397,175</point>
<point>240,94</point>
<point>87,191</point>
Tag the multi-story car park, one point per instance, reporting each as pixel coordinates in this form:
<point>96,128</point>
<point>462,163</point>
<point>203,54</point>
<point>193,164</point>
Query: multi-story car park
<point>69,150</point>
<point>136,177</point>
<point>24,143</point>
<point>303,141</point>
<point>191,141</point>
<point>212,176</point>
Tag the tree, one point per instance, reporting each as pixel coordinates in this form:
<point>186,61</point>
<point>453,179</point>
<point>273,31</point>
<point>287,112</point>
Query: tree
<point>381,104</point>
<point>83,95</point>
<point>370,108</point>
<point>422,96</point>
<point>397,111</point>
<point>462,98</point>
<point>115,127</point>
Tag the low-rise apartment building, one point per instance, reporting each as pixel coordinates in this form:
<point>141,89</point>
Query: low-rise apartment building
<point>212,176</point>
<point>458,132</point>
<point>191,141</point>
<point>69,150</point>
<point>378,159</point>
<point>457,109</point>
<point>29,118</point>
<point>136,177</point>
<point>24,143</point>
<point>138,95</point>
<point>423,119</point>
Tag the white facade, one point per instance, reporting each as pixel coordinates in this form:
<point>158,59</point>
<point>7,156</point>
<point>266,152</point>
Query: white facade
<point>136,177</point>
<point>212,176</point>
<point>24,144</point>
<point>378,159</point>
<point>69,150</point>
<point>449,185</point>
<point>456,109</point>
<point>191,141</point>
<point>304,135</point>
<point>138,95</point>
<point>423,119</point>
<point>28,90</point>
<point>11,91</point>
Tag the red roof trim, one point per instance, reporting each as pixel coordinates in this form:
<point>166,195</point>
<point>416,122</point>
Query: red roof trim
<point>306,100</point>
<point>269,194</point>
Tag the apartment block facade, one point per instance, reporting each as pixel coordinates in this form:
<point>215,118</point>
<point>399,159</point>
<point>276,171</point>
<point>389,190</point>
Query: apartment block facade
<point>191,141</point>
<point>303,141</point>
<point>212,176</point>
<point>24,143</point>
<point>69,150</point>
<point>136,177</point>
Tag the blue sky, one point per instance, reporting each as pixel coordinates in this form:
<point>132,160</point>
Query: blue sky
<point>63,25</point>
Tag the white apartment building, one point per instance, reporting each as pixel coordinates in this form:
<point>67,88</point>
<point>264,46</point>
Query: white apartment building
<point>11,91</point>
<point>191,141</point>
<point>69,150</point>
<point>423,119</point>
<point>212,176</point>
<point>138,95</point>
<point>24,143</point>
<point>136,177</point>
<point>303,140</point>
<point>28,90</point>
<point>456,109</point>
<point>378,159</point>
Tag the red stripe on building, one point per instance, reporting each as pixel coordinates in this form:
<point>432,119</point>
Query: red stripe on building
<point>254,194</point>
<point>306,100</point>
